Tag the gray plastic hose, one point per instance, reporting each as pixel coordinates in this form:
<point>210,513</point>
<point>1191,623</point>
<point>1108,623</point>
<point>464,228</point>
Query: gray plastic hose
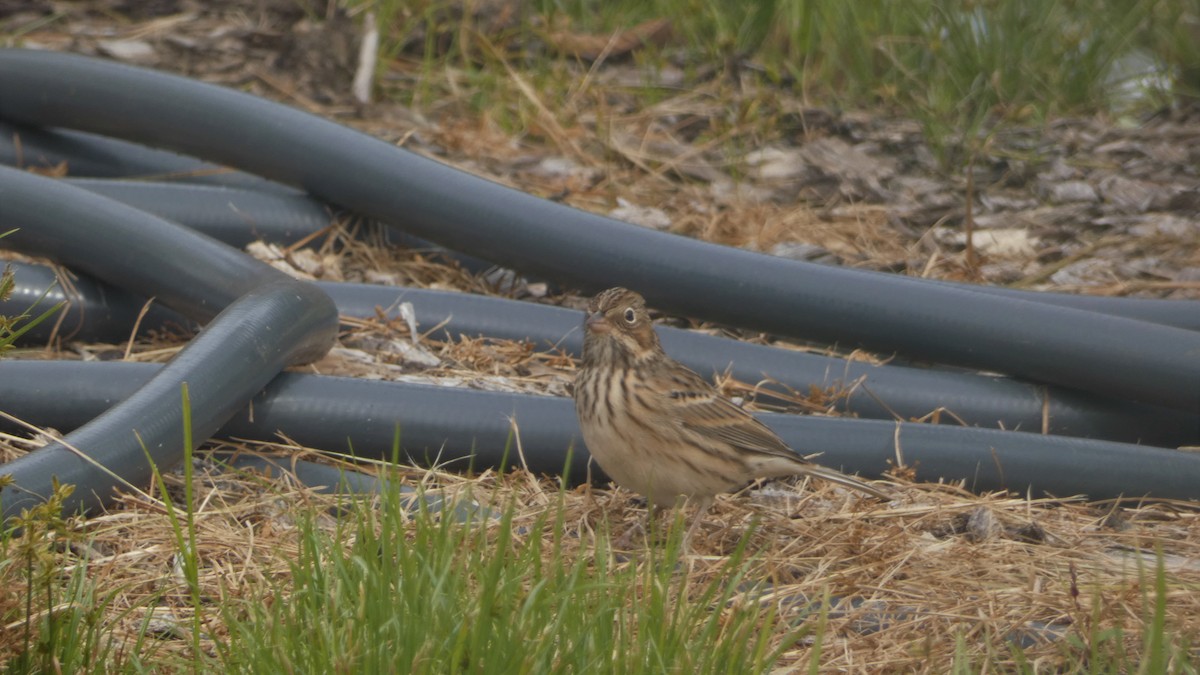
<point>234,216</point>
<point>280,215</point>
<point>250,342</point>
<point>431,213</point>
<point>458,428</point>
<point>263,322</point>
<point>1107,355</point>
<point>238,216</point>
<point>89,155</point>
<point>884,393</point>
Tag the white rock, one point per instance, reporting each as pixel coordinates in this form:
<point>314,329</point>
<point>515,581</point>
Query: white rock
<point>645,216</point>
<point>1073,191</point>
<point>1004,242</point>
<point>133,51</point>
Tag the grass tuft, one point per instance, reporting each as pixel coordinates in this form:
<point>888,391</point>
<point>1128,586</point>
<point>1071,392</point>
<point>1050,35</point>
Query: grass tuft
<point>422,591</point>
<point>962,70</point>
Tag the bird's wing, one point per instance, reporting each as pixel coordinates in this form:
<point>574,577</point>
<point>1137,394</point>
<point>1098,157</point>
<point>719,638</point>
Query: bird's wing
<point>702,409</point>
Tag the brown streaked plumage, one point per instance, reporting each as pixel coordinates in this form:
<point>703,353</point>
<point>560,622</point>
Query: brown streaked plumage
<point>659,429</point>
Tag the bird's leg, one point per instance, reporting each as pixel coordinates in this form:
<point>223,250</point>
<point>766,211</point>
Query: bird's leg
<point>641,527</point>
<point>702,506</point>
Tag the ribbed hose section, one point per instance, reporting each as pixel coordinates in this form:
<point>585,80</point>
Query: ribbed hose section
<point>876,392</point>
<point>460,428</point>
<point>128,248</point>
<point>225,214</point>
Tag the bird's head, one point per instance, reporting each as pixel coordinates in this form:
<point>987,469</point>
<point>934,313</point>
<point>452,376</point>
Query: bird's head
<point>617,321</point>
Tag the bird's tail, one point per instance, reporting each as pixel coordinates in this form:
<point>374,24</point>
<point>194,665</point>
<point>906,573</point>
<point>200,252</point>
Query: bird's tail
<point>834,476</point>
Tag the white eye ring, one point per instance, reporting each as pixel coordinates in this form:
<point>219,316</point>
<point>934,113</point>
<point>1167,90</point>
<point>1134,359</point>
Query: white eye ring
<point>630,316</point>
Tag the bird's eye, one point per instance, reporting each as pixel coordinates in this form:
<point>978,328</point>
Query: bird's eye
<point>630,316</point>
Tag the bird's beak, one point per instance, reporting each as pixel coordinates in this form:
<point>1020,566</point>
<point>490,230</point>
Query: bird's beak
<point>596,323</point>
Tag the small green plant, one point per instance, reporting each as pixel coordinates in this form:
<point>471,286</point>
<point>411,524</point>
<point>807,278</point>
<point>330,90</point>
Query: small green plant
<point>6,324</point>
<point>62,626</point>
<point>30,543</point>
<point>1171,31</point>
<point>185,531</point>
<point>13,327</point>
<point>1094,647</point>
<point>59,624</point>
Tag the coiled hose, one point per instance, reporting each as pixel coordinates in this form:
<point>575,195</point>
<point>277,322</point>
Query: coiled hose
<point>510,228</point>
<point>261,321</point>
<point>99,313</point>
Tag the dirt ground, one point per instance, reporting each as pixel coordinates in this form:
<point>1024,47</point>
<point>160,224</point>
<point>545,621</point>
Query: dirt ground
<point>1093,205</point>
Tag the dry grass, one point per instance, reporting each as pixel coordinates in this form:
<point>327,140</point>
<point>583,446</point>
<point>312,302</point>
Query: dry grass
<point>936,576</point>
<point>906,578</point>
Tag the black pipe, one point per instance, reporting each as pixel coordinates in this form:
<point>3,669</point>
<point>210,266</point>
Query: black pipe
<point>885,392</point>
<point>89,155</point>
<point>263,321</point>
<point>237,217</point>
<point>882,392</point>
<point>458,428</point>
<point>231,206</point>
<point>1104,354</point>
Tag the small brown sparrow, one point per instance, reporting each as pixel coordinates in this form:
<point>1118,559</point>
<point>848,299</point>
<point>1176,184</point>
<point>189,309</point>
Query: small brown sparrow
<point>659,429</point>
